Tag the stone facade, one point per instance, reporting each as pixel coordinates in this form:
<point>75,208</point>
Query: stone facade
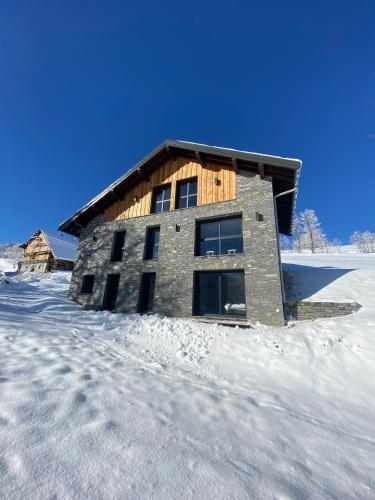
<point>176,263</point>
<point>37,266</point>
<point>304,310</point>
<point>42,266</point>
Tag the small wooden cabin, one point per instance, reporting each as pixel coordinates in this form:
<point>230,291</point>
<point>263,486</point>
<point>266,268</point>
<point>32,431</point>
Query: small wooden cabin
<point>45,252</point>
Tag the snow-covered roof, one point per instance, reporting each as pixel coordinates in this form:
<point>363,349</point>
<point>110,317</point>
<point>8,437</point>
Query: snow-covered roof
<point>288,167</point>
<point>61,247</point>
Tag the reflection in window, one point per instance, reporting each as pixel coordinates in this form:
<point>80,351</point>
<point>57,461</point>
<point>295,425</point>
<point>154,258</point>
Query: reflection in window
<point>161,198</point>
<point>152,243</point>
<point>220,293</point>
<point>220,236</point>
<point>118,246</point>
<point>186,193</point>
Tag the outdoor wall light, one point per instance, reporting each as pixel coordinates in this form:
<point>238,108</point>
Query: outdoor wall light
<point>259,217</point>
<point>178,228</point>
<point>135,199</point>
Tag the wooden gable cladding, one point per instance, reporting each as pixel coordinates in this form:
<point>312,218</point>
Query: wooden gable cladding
<point>137,201</point>
<point>37,248</point>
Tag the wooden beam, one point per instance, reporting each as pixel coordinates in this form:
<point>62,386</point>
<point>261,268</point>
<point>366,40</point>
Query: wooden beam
<point>142,175</point>
<point>235,164</point>
<point>277,174</point>
<point>171,153</point>
<point>116,194</point>
<point>77,223</point>
<point>261,170</point>
<point>95,210</point>
<point>198,156</point>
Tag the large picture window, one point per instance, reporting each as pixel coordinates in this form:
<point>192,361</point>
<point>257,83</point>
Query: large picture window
<point>186,193</point>
<point>219,236</point>
<point>161,198</point>
<point>152,243</point>
<point>219,293</point>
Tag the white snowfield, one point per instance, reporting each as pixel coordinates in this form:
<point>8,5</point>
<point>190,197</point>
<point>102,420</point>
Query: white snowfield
<point>7,265</point>
<point>95,405</point>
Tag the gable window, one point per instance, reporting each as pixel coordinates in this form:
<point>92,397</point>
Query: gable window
<point>152,243</point>
<point>219,236</point>
<point>87,283</point>
<point>186,193</point>
<point>161,198</point>
<point>118,246</point>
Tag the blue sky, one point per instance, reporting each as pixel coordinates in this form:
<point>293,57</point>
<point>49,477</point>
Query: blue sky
<point>88,88</point>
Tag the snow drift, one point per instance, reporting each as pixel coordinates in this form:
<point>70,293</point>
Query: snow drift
<point>97,405</point>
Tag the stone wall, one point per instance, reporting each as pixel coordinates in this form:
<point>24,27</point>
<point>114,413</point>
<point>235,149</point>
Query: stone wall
<point>304,310</point>
<point>177,262</point>
<point>39,266</point>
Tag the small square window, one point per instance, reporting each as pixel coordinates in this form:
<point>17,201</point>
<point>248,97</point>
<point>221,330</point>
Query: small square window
<point>87,283</point>
<point>186,193</point>
<point>161,198</point>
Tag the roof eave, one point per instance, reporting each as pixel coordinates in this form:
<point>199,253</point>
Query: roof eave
<point>73,226</point>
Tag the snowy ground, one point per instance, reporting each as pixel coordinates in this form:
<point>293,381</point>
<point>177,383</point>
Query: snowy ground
<point>96,405</point>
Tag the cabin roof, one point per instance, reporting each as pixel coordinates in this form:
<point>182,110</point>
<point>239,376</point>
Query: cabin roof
<point>61,248</point>
<point>284,173</point>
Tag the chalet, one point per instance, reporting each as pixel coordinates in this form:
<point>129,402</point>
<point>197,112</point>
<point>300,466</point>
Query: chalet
<point>191,230</point>
<point>45,252</point>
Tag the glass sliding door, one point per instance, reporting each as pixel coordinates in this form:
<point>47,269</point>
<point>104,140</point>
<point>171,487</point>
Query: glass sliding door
<point>207,293</point>
<point>232,296</point>
<point>219,293</point>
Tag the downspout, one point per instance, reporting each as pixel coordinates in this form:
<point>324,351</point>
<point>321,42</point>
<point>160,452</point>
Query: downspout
<point>278,242</point>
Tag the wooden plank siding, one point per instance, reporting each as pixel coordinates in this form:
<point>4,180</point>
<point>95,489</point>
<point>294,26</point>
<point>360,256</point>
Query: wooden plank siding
<point>37,249</point>
<point>172,171</point>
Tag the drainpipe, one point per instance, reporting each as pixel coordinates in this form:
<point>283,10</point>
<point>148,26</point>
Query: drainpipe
<point>278,243</point>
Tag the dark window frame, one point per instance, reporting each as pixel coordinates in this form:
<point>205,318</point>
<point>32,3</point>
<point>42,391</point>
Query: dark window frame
<point>188,196</point>
<point>163,188</point>
<point>111,277</point>
<point>141,296</point>
<point>114,246</point>
<point>84,286</point>
<point>219,238</point>
<point>196,296</point>
<point>149,230</point>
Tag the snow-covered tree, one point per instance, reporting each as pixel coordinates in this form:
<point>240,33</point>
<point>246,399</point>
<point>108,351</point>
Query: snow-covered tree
<point>313,236</point>
<point>297,231</point>
<point>336,245</point>
<point>365,242</point>
<point>11,252</point>
<point>284,242</point>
